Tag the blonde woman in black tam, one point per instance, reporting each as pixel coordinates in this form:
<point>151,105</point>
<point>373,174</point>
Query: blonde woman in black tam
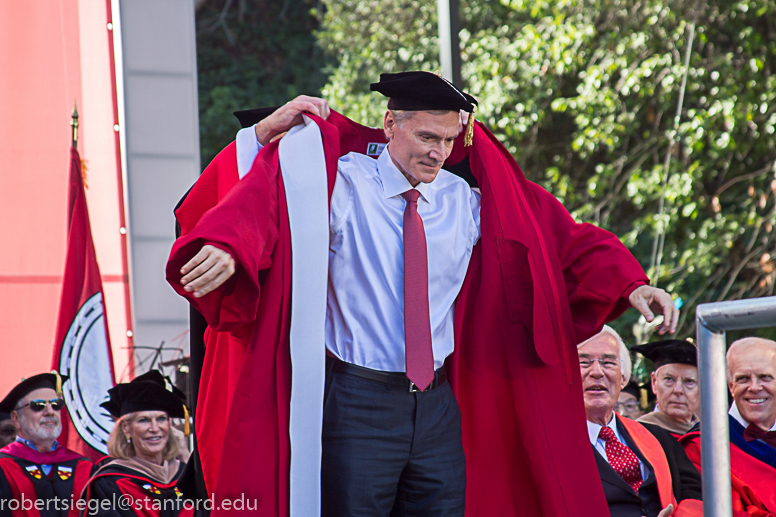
<point>143,466</point>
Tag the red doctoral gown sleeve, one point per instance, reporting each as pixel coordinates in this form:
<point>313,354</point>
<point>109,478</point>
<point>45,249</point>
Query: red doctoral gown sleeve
<point>536,284</point>
<point>599,272</point>
<point>246,367</point>
<point>245,389</point>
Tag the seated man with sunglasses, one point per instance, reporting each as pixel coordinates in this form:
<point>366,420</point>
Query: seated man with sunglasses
<point>37,474</point>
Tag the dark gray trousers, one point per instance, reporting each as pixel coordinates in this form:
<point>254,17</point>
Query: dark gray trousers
<point>390,453</point>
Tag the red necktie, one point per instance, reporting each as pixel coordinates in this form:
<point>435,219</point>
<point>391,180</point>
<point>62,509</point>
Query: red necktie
<point>752,433</point>
<point>622,459</point>
<point>417,326</point>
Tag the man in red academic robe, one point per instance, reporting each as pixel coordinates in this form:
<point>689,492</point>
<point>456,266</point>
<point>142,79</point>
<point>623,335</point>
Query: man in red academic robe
<point>536,284</point>
<point>39,478</point>
<point>751,373</point>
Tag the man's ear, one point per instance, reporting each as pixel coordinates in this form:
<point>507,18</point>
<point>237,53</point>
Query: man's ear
<point>389,124</point>
<point>653,379</point>
<point>15,419</point>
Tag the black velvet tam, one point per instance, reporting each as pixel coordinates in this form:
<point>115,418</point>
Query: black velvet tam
<point>419,91</point>
<point>250,117</point>
<point>148,392</point>
<point>42,380</point>
<point>669,351</point>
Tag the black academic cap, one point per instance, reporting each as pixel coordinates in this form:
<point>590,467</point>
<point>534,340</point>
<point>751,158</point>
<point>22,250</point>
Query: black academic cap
<point>43,380</point>
<point>151,391</point>
<point>633,388</point>
<point>250,117</point>
<point>669,351</point>
<point>418,91</point>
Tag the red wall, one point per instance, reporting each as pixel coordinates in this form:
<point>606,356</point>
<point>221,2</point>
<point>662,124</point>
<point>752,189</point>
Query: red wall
<point>53,53</point>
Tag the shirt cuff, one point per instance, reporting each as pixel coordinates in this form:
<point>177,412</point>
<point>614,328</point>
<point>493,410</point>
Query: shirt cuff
<point>247,148</point>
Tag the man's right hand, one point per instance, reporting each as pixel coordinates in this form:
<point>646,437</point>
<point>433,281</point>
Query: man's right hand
<point>667,511</point>
<point>209,268</point>
<point>288,116</point>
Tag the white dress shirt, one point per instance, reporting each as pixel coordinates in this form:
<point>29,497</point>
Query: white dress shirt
<point>600,445</point>
<point>365,307</point>
<point>735,413</point>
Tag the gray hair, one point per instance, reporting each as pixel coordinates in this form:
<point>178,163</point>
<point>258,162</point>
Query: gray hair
<point>626,365</point>
<point>402,116</point>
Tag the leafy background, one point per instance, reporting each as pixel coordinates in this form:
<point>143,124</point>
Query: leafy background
<point>582,92</point>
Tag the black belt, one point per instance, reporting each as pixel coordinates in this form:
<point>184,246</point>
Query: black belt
<point>392,380</point>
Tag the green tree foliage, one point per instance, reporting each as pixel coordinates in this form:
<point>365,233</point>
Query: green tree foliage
<point>250,54</point>
<point>584,92</point>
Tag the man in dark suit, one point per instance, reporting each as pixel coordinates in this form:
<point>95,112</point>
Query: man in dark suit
<point>644,470</point>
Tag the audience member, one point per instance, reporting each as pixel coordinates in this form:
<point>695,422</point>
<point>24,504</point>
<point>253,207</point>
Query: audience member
<point>629,401</point>
<point>644,471</point>
<point>7,429</point>
<point>751,375</point>
<point>143,451</point>
<point>34,466</point>
<point>675,384</point>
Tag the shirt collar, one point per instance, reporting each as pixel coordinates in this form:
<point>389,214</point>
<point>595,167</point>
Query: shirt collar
<point>593,429</point>
<point>393,181</point>
<point>735,413</point>
<point>31,445</point>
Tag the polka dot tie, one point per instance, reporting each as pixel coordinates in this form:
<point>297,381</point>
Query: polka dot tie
<point>622,459</point>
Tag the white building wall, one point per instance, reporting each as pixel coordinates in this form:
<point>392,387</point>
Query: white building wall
<point>161,145</point>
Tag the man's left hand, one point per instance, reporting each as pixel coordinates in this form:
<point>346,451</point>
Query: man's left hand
<point>649,300</point>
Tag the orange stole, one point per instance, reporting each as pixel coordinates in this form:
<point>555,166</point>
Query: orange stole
<point>653,452</point>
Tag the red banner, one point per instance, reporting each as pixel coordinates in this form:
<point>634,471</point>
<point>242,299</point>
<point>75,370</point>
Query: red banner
<point>82,348</point>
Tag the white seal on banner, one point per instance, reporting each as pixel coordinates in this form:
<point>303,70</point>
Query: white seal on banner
<point>303,166</point>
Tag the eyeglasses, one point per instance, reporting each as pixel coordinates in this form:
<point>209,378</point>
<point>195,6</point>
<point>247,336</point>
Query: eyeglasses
<point>39,405</point>
<point>606,363</point>
<point>630,406</point>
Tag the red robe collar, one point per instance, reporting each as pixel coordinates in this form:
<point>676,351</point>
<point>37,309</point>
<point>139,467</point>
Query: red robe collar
<point>59,455</point>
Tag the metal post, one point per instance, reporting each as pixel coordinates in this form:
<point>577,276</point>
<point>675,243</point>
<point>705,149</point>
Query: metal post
<point>711,322</point>
<point>715,437</point>
<point>449,44</point>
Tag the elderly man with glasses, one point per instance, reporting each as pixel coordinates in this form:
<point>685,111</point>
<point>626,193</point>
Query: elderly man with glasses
<point>644,471</point>
<point>37,475</point>
<point>675,384</point>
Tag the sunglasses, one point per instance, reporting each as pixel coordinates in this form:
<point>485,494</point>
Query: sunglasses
<point>39,405</point>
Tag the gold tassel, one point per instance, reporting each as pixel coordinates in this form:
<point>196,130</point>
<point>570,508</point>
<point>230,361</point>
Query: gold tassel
<point>84,175</point>
<point>469,136</point>
<point>186,428</point>
<point>59,383</point>
<point>644,400</point>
